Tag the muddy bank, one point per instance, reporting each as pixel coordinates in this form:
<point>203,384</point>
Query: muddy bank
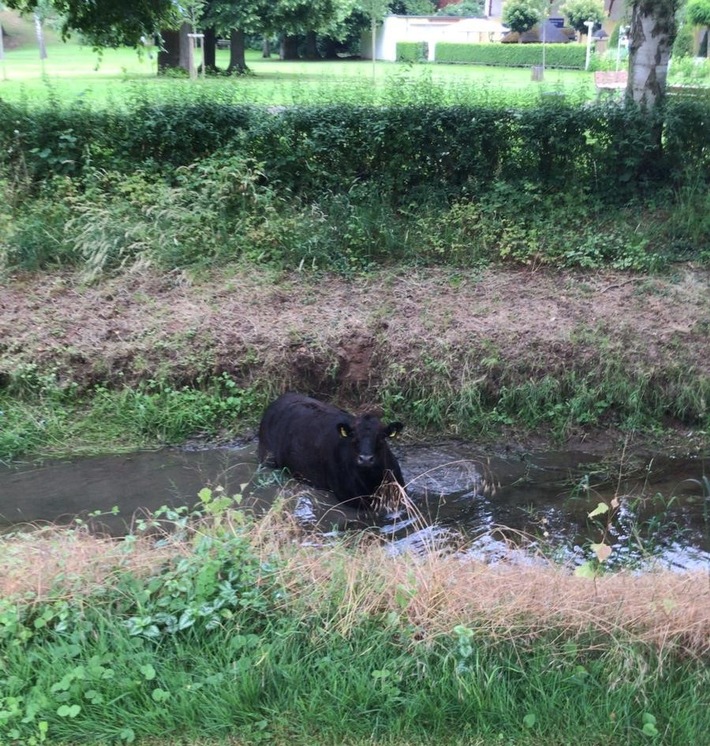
<point>353,339</point>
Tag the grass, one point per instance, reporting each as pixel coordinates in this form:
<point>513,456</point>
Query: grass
<point>72,71</point>
<point>61,423</point>
<point>61,420</point>
<point>230,628</point>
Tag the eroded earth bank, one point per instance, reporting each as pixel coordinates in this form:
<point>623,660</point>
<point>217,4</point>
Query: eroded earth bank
<point>501,354</point>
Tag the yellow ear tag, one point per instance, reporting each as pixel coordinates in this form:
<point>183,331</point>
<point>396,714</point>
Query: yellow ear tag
<point>343,432</point>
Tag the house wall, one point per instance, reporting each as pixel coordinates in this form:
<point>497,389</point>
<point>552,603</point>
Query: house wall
<point>430,29</point>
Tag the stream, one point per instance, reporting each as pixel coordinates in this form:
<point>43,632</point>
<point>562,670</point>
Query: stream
<point>512,507</point>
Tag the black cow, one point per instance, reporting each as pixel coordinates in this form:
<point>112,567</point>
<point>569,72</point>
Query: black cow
<point>328,447</point>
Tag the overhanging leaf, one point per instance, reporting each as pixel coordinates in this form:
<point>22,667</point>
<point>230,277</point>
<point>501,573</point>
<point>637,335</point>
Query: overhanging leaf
<point>602,550</point>
<point>601,509</point>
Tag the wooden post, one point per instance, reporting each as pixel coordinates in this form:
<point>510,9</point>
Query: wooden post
<point>590,26</point>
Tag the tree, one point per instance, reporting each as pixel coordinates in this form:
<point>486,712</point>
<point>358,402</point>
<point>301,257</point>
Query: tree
<point>306,18</point>
<point>413,7</point>
<point>109,23</point>
<point>522,15</point>
<point>653,31</point>
<point>236,20</point>
<point>697,12</point>
<point>578,12</point>
<point>466,8</point>
<point>375,10</point>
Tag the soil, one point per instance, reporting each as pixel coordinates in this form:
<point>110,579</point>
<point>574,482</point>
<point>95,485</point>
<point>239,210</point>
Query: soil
<point>342,338</point>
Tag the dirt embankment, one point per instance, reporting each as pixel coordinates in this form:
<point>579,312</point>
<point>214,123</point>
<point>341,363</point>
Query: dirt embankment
<point>339,338</point>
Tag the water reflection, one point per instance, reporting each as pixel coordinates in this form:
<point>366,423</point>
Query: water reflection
<point>538,501</point>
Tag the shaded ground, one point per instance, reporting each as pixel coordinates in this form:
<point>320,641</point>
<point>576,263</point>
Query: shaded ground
<point>344,338</point>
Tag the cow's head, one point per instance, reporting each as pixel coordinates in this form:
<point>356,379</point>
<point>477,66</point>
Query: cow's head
<point>366,437</point>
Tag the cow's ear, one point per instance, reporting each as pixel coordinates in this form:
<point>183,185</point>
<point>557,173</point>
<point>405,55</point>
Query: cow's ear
<point>345,430</point>
<point>393,429</point>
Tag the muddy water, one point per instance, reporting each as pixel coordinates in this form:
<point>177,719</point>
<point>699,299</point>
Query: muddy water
<point>511,507</point>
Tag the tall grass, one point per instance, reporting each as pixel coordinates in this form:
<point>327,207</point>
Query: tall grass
<point>230,627</point>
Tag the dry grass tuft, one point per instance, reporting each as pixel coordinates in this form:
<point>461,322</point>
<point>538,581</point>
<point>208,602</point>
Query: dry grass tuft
<point>341,581</point>
<point>55,561</point>
<point>437,591</point>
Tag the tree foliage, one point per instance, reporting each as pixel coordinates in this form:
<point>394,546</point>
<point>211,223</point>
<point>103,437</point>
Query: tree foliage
<point>522,15</point>
<point>250,16</point>
<point>578,12</point>
<point>109,23</point>
<point>413,7</point>
<point>302,16</point>
<point>697,12</point>
<point>466,8</point>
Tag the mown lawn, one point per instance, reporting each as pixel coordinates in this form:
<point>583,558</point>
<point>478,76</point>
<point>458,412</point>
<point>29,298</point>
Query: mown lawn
<point>72,70</point>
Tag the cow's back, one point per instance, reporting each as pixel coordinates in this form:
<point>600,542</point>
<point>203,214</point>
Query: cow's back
<point>301,435</point>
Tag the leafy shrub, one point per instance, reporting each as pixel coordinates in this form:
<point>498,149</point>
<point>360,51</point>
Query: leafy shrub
<point>341,186</point>
<point>692,71</point>
<point>684,43</point>
<point>311,150</point>
<point>512,55</point>
<point>412,51</point>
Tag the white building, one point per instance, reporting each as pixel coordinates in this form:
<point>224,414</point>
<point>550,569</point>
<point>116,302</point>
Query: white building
<point>430,29</point>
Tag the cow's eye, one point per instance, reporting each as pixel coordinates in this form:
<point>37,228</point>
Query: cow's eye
<point>343,432</point>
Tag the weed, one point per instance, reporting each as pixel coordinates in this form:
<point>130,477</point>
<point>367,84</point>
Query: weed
<point>220,623</point>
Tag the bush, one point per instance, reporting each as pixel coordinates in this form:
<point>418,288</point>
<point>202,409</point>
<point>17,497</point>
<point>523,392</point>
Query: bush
<point>512,55</point>
<point>346,186</point>
<point>412,51</point>
<point>684,42</point>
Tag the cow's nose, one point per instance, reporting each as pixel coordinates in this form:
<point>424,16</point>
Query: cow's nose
<point>364,460</point>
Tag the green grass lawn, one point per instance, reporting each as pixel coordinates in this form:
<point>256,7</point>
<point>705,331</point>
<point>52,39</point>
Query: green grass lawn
<point>72,70</point>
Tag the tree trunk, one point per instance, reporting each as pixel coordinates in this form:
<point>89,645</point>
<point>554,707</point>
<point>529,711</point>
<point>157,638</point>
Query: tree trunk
<point>174,52</point>
<point>266,48</point>
<point>311,46</point>
<point>289,47</point>
<point>653,31</point>
<point>169,51</point>
<point>330,48</point>
<point>237,61</point>
<point>185,29</point>
<point>209,50</point>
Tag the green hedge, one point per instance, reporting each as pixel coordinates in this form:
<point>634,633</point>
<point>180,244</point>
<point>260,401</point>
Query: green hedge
<point>608,151</point>
<point>412,51</point>
<point>513,55</point>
